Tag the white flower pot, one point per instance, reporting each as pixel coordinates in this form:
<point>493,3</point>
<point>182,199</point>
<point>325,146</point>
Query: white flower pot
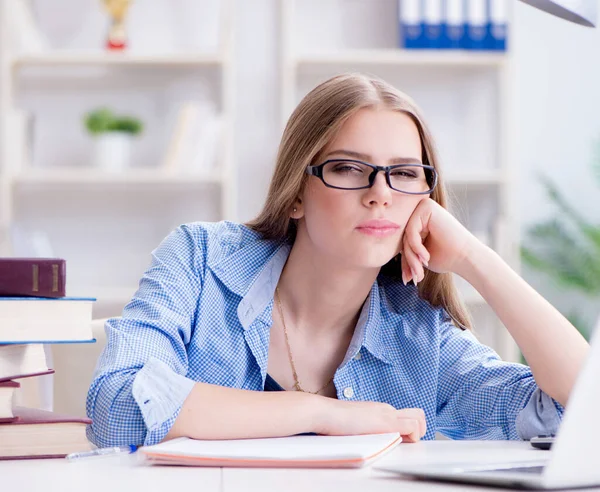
<point>113,151</point>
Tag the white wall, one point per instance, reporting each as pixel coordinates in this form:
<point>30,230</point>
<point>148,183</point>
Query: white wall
<point>557,102</point>
<point>257,129</point>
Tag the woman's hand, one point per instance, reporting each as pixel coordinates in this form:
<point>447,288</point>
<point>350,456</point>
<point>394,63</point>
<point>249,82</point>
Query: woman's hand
<point>435,239</point>
<point>339,418</point>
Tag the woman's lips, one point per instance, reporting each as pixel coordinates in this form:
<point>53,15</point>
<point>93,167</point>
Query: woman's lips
<point>378,228</point>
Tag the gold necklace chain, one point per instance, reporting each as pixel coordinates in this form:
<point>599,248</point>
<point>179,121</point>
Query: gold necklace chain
<point>297,385</point>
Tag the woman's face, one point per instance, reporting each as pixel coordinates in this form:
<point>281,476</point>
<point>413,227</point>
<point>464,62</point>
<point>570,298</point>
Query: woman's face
<point>362,228</point>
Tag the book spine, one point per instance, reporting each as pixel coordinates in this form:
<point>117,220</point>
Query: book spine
<point>411,24</point>
<point>433,24</point>
<point>476,24</point>
<point>454,24</point>
<point>36,277</point>
<point>497,26</point>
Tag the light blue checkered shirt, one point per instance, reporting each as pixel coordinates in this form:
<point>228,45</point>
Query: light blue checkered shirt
<point>203,312</point>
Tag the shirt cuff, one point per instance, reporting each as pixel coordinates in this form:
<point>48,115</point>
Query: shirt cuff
<point>159,392</point>
<point>542,415</point>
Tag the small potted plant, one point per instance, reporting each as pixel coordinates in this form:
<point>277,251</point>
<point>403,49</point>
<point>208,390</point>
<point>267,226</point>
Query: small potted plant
<point>114,136</point>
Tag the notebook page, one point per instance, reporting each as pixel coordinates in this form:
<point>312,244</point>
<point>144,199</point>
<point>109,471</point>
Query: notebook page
<point>280,448</point>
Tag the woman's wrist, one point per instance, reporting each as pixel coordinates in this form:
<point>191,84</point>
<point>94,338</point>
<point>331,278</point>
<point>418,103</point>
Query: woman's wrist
<point>321,411</point>
<point>476,263</point>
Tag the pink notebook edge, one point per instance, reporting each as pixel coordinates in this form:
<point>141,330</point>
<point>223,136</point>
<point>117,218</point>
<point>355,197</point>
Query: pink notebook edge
<point>158,458</point>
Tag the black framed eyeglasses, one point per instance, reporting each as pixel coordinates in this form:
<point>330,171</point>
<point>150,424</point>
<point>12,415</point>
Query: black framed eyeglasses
<point>350,174</point>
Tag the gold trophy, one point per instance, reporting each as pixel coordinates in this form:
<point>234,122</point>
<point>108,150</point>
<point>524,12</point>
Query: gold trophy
<point>117,36</point>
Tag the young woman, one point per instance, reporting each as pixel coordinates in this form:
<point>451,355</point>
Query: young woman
<point>340,293</point>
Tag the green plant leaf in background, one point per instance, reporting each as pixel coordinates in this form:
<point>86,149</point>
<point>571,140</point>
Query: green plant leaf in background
<point>567,248</point>
<point>104,120</point>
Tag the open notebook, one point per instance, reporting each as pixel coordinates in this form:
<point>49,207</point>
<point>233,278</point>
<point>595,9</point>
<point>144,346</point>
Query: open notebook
<point>305,451</point>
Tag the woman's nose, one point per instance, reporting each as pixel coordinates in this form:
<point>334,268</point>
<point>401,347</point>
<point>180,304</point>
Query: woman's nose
<point>380,193</point>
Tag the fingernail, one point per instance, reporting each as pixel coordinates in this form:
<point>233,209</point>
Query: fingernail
<point>414,277</point>
<point>424,261</point>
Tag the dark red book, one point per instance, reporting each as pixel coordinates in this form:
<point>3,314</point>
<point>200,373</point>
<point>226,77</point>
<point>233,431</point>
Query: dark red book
<point>41,434</point>
<point>23,376</point>
<point>33,277</point>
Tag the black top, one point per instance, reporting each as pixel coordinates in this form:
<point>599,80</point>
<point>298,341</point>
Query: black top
<point>272,385</point>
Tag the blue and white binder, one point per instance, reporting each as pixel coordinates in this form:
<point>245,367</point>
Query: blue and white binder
<point>454,24</point>
<point>411,24</point>
<point>476,25</point>
<point>497,26</point>
<point>432,16</point>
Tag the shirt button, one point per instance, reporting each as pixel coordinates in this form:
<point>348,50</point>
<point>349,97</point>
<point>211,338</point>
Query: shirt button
<point>357,356</point>
<point>348,392</point>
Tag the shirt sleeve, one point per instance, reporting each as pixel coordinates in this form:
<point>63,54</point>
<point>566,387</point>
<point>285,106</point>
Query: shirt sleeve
<point>482,397</point>
<point>139,384</point>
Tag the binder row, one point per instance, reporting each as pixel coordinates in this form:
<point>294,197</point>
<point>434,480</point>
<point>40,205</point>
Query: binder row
<point>453,24</point>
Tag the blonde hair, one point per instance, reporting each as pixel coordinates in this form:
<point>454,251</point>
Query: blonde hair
<point>312,125</point>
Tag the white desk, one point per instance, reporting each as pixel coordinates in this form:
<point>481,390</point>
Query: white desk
<point>125,473</point>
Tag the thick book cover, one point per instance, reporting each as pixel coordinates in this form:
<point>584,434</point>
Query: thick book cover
<point>43,320</point>
<point>9,384</point>
<point>302,451</point>
<point>38,277</point>
<point>23,376</point>
<point>39,433</point>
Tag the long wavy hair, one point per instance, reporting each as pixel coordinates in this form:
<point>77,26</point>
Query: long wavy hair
<point>312,125</point>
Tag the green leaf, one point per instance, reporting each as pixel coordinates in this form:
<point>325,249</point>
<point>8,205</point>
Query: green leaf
<point>561,256</point>
<point>104,120</point>
<point>589,231</point>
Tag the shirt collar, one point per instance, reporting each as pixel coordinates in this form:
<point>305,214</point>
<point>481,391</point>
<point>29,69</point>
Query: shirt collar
<point>253,271</point>
<point>241,269</point>
<point>369,328</point>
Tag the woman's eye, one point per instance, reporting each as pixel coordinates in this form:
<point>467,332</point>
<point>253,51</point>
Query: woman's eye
<point>402,173</point>
<point>345,168</point>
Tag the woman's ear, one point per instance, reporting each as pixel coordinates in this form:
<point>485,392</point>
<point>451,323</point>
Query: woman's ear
<point>297,210</point>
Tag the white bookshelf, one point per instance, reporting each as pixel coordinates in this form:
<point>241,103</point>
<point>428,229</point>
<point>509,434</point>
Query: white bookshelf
<point>453,88</point>
<point>136,207</point>
<point>407,58</point>
<point>137,177</point>
<point>79,59</point>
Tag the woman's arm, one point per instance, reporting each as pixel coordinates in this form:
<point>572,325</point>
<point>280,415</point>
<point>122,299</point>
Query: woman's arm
<point>554,349</point>
<point>217,412</point>
<point>552,346</point>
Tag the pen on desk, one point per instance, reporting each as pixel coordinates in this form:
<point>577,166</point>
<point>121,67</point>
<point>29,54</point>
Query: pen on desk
<point>101,452</point>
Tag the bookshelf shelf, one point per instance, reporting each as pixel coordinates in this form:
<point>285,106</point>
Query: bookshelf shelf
<point>131,177</point>
<point>400,57</point>
<point>476,178</point>
<point>74,59</point>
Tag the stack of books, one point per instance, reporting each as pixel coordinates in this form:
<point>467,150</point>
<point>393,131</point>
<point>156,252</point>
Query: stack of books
<point>34,311</point>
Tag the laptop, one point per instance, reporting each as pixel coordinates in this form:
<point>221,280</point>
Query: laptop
<point>572,461</point>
